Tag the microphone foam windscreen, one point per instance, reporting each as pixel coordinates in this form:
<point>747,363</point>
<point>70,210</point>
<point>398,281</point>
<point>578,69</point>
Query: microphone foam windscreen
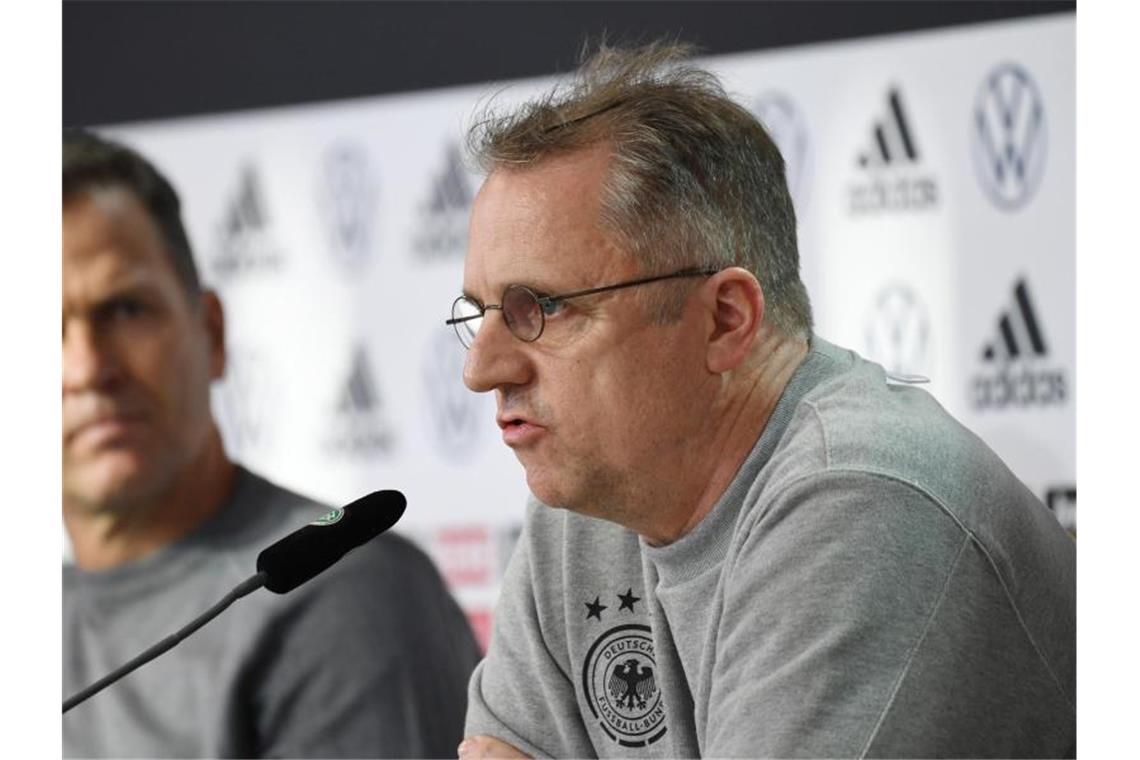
<point>314,548</point>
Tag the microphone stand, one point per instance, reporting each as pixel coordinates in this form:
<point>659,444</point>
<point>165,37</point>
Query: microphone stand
<point>245,587</point>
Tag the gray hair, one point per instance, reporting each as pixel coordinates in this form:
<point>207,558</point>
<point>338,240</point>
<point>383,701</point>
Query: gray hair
<point>695,179</point>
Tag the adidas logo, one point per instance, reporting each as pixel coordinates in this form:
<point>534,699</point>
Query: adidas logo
<point>243,241</point>
<point>359,427</point>
<point>443,228</point>
<point>893,140</point>
<point>359,394</point>
<point>893,181</point>
<point>450,191</point>
<point>1015,373</point>
<point>1019,332</point>
<point>247,211</point>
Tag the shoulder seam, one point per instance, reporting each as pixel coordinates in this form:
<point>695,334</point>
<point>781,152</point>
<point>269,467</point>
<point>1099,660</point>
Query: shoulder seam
<point>914,649</point>
<point>971,537</point>
<point>822,432</point>
<point>993,567</point>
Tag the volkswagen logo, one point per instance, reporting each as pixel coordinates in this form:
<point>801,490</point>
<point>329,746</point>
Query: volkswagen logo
<point>1009,136</point>
<point>787,128</point>
<point>457,416</point>
<point>898,331</point>
<point>247,401</point>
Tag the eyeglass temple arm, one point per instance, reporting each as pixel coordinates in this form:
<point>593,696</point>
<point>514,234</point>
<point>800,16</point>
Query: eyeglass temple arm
<point>642,281</point>
<point>457,320</point>
<point>591,291</point>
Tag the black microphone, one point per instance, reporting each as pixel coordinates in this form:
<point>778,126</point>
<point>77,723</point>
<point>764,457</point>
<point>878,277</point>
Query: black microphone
<point>309,551</point>
<point>300,556</point>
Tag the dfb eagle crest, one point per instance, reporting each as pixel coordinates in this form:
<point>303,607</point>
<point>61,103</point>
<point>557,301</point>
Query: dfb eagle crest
<point>620,683</point>
<point>631,684</point>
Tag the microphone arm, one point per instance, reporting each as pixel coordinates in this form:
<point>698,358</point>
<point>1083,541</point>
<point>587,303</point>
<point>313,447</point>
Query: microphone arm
<point>291,561</point>
<point>247,586</point>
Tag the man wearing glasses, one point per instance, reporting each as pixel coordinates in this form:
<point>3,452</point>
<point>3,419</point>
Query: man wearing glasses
<point>743,540</point>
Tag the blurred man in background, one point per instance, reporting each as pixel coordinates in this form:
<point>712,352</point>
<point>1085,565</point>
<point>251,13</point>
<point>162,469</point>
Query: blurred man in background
<point>370,659</point>
<point>759,546</point>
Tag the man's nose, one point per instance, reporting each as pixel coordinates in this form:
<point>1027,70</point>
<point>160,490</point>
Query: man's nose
<point>496,357</point>
<point>89,361</point>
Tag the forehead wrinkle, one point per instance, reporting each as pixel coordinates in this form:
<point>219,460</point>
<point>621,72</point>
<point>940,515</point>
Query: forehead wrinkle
<point>540,226</point>
<point>506,223</point>
<point>113,251</point>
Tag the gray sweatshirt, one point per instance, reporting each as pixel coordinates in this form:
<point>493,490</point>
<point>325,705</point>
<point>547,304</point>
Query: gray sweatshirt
<point>873,582</point>
<point>368,659</point>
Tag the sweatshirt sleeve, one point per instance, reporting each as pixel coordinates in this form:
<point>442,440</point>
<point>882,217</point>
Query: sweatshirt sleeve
<point>523,692</point>
<point>861,619</point>
<point>369,659</point>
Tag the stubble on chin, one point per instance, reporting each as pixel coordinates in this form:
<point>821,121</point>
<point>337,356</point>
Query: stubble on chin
<point>583,488</point>
<point>102,488</point>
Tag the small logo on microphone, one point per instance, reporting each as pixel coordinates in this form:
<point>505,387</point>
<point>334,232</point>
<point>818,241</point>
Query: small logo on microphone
<point>330,517</point>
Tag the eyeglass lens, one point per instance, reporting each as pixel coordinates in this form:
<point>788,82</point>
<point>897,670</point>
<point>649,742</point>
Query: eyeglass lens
<point>522,312</point>
<point>467,310</point>
<point>520,308</point>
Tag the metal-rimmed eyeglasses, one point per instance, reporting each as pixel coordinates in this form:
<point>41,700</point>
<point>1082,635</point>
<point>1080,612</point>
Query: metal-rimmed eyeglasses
<point>525,311</point>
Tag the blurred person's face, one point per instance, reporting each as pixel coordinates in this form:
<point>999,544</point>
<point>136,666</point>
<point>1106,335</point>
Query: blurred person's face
<point>600,404</point>
<point>139,353</point>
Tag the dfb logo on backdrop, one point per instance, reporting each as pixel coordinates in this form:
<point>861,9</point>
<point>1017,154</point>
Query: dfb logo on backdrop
<point>893,179</point>
<point>244,244</point>
<point>247,400</point>
<point>898,331</point>
<point>1009,136</point>
<point>788,129</point>
<point>457,415</point>
<point>347,195</point>
<point>359,426</point>
<point>1016,369</point>
<point>442,232</point>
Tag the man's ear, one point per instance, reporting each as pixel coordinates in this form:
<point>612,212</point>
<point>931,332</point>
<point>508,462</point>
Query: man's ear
<point>737,303</point>
<point>214,320</point>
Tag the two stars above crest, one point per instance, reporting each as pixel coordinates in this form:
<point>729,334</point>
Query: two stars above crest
<point>627,601</point>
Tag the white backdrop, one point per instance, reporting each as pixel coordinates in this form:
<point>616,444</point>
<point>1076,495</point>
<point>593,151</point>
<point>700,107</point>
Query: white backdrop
<point>933,175</point>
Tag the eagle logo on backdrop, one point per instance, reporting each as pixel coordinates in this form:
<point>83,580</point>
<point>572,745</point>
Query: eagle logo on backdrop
<point>347,199</point>
<point>619,678</point>
<point>1009,136</point>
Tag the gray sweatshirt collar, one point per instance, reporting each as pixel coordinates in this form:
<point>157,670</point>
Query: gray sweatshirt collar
<point>706,545</point>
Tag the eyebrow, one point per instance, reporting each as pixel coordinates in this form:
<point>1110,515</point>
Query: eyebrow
<point>539,290</point>
<point>127,288</point>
